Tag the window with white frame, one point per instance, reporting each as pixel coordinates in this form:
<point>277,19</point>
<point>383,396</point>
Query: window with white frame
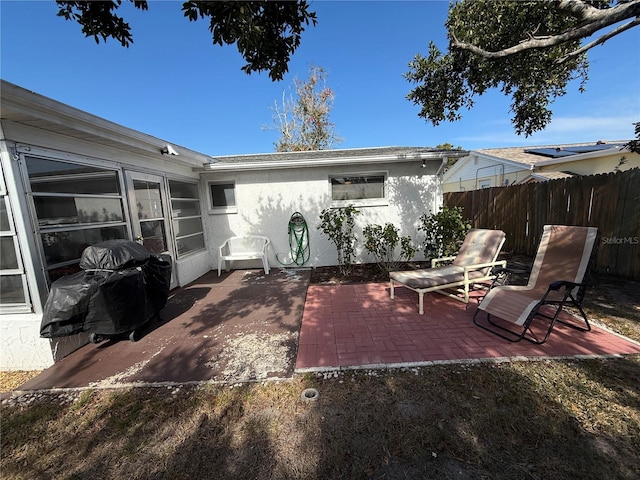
<point>13,280</point>
<point>76,205</point>
<point>358,188</point>
<point>222,197</point>
<point>186,216</point>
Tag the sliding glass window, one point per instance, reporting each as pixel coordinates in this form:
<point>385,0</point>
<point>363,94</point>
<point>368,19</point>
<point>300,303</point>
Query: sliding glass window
<point>14,295</point>
<point>186,216</point>
<point>76,205</point>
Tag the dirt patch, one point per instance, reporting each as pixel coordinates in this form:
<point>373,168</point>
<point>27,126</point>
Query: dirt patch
<point>255,356</point>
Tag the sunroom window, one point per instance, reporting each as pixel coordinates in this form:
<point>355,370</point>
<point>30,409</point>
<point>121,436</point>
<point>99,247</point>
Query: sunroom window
<point>186,216</point>
<point>76,205</point>
<point>13,282</point>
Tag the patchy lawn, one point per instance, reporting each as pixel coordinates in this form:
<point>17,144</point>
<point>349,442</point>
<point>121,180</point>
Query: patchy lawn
<point>536,420</point>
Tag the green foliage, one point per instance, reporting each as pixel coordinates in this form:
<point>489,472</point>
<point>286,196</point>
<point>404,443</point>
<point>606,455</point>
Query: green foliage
<point>266,33</point>
<point>533,78</point>
<point>444,231</point>
<point>634,145</point>
<point>382,243</point>
<point>303,121</point>
<point>98,19</point>
<point>338,224</point>
<point>448,146</point>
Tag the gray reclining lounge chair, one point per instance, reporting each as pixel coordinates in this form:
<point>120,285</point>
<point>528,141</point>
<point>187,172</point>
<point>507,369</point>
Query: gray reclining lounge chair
<point>555,281</point>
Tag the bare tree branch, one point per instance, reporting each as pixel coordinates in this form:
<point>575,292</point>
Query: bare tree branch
<point>596,20</point>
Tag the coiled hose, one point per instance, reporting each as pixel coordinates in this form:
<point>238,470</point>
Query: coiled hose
<point>298,241</point>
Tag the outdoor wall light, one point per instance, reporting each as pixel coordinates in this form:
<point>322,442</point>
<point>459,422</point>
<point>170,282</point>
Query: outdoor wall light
<point>168,150</point>
<point>424,163</point>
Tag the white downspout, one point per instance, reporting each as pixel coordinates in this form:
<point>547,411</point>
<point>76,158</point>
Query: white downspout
<point>442,165</point>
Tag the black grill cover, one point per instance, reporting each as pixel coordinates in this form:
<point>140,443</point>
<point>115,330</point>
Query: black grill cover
<point>123,286</point>
<point>114,255</point>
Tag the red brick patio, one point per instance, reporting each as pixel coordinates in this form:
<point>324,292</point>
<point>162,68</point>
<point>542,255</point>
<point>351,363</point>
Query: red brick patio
<point>359,325</point>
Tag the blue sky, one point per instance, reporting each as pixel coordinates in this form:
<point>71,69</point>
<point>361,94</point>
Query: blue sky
<point>174,84</point>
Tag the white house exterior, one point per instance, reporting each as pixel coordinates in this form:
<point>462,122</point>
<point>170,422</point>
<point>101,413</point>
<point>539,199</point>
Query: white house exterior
<point>270,188</point>
<point>70,179</point>
<point>496,167</point>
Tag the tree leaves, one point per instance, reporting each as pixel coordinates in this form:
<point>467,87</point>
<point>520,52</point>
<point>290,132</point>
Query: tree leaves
<point>444,84</point>
<point>266,33</point>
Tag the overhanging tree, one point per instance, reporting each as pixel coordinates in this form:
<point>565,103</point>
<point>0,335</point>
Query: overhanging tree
<point>266,33</point>
<point>303,120</point>
<point>530,50</point>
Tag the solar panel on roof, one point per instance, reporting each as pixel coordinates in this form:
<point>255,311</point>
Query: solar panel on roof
<point>550,152</point>
<point>589,148</point>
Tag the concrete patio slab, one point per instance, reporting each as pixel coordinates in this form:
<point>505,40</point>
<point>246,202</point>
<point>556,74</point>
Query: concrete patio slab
<point>241,326</point>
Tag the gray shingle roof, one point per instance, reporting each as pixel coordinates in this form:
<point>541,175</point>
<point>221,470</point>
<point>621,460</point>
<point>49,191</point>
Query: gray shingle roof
<point>399,152</point>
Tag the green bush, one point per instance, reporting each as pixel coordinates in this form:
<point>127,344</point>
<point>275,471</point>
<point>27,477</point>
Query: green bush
<point>382,243</point>
<point>445,232</point>
<point>338,224</point>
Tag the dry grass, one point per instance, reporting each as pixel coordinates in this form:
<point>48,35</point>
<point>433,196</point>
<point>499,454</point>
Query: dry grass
<point>551,420</point>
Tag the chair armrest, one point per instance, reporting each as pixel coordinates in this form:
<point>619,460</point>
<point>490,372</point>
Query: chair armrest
<point>436,261</point>
<point>479,266</point>
<point>221,248</point>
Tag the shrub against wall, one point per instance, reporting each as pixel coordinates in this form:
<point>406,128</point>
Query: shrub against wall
<point>444,231</point>
<point>382,243</point>
<point>338,224</point>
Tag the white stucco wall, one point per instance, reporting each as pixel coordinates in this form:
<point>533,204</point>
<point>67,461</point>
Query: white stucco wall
<point>266,200</point>
<point>21,347</point>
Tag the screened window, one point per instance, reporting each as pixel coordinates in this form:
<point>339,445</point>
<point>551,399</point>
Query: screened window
<point>347,188</point>
<point>186,216</point>
<point>222,197</point>
<point>13,281</point>
<point>76,206</point>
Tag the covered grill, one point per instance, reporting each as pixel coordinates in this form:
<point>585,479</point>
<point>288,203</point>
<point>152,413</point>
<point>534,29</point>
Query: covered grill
<point>120,288</point>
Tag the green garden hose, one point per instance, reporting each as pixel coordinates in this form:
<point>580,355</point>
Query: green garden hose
<point>298,241</point>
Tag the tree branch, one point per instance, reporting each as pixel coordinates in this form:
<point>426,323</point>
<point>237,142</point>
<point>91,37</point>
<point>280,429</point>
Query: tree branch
<point>597,20</point>
<point>599,41</point>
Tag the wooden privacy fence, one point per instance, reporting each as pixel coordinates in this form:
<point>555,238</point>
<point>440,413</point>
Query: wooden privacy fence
<point>610,202</point>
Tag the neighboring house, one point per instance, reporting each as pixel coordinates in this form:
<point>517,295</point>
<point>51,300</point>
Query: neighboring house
<point>495,167</point>
<point>71,179</point>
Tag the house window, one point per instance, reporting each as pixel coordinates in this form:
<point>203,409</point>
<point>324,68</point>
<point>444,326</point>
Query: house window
<point>186,217</point>
<point>76,206</point>
<point>358,189</point>
<point>485,184</point>
<point>222,197</point>
<point>13,281</point>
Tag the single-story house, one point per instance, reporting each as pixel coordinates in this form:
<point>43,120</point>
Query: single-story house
<point>71,179</point>
<point>496,167</point>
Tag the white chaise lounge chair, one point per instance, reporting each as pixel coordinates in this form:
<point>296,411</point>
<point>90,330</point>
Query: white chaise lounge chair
<point>472,264</point>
